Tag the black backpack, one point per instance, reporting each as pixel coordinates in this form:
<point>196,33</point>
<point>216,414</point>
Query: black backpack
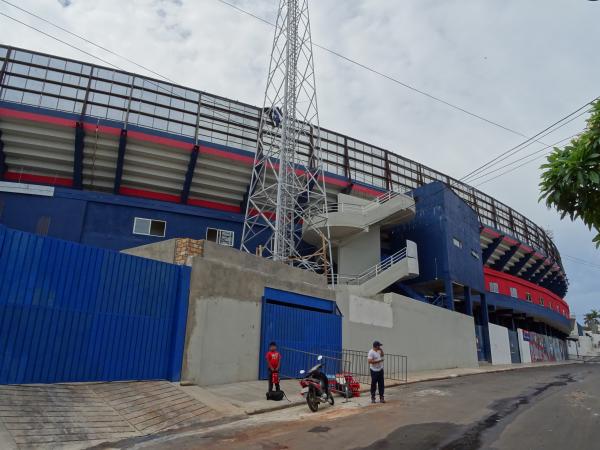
<point>275,395</point>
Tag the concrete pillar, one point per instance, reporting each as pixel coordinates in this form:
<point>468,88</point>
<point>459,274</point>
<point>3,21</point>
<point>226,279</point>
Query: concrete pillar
<point>485,321</point>
<point>468,301</point>
<point>449,300</point>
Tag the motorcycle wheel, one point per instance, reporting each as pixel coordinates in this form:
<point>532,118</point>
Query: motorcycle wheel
<point>330,399</point>
<point>312,401</point>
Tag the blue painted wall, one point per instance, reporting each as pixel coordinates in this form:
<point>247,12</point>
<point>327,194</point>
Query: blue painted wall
<point>106,220</point>
<point>70,312</point>
<point>441,216</point>
<point>540,313</point>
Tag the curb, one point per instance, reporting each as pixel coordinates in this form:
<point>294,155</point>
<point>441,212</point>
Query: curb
<point>291,404</point>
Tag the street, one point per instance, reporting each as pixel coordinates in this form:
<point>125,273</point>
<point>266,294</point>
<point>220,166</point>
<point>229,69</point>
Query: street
<point>542,408</point>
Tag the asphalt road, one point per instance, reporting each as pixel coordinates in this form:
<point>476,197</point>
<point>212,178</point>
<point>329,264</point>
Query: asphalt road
<point>542,408</point>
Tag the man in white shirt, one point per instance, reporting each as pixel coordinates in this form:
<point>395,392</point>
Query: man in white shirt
<point>376,367</point>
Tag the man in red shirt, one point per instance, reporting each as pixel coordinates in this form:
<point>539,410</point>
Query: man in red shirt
<point>273,363</point>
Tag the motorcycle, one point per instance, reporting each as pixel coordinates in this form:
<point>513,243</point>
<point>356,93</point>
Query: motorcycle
<point>314,385</point>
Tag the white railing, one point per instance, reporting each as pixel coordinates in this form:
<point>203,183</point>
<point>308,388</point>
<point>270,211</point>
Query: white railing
<point>370,273</point>
<point>363,209</point>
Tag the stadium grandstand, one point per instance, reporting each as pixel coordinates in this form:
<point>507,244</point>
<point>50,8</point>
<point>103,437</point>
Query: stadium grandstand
<point>115,160</point>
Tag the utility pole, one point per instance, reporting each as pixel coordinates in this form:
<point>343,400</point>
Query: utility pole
<point>287,199</point>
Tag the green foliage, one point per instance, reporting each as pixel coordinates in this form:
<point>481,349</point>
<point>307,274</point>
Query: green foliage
<point>591,318</point>
<point>571,176</point>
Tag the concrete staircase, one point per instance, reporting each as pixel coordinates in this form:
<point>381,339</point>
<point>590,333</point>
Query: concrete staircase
<point>402,265</point>
<point>351,216</point>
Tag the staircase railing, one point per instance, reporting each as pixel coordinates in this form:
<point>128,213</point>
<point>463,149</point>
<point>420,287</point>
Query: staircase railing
<point>363,209</point>
<point>370,273</point>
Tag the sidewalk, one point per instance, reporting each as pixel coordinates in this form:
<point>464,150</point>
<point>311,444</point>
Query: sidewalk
<point>248,398</point>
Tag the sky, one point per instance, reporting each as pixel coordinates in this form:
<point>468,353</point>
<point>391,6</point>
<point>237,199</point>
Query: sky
<point>523,64</point>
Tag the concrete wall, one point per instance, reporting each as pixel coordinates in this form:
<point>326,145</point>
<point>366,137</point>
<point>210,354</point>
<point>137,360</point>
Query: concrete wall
<point>225,306</point>
<point>499,345</point>
<point>431,337</point>
<point>586,345</point>
<point>524,348</point>
<point>224,315</point>
<point>359,253</point>
<point>160,251</point>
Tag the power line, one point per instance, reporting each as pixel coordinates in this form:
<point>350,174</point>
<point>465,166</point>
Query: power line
<point>384,75</point>
<point>532,138</point>
<point>479,175</point>
<point>87,40</point>
<point>154,83</point>
<point>521,159</point>
<point>59,40</point>
<point>241,10</point>
<point>511,170</point>
<point>168,79</point>
<point>582,261</point>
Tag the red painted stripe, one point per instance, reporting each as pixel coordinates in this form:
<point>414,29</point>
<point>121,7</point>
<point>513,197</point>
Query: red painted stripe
<point>101,129</point>
<point>490,232</point>
<point>159,140</point>
<point>525,248</point>
<point>38,179</point>
<point>367,190</point>
<point>510,241</point>
<point>40,118</point>
<point>225,154</point>
<point>334,181</point>
<point>149,194</point>
<point>214,205</point>
<point>505,281</point>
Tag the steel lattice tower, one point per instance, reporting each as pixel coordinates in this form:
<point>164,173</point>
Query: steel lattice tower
<point>286,198</point>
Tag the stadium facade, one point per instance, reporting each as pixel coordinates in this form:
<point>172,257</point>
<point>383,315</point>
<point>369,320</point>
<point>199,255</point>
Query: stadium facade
<point>116,160</point>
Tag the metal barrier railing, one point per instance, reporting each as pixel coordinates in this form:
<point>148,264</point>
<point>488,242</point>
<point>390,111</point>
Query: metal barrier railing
<point>354,362</point>
<point>395,366</point>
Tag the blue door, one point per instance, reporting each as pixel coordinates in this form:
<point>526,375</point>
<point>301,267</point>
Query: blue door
<point>302,326</point>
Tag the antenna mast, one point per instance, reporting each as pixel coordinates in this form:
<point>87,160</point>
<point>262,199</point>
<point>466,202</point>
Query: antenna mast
<point>287,201</point>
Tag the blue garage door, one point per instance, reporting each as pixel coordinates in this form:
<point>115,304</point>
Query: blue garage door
<point>302,323</point>
<point>69,312</point>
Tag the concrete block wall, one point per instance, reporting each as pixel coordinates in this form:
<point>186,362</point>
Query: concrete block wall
<point>431,337</point>
<point>187,248</point>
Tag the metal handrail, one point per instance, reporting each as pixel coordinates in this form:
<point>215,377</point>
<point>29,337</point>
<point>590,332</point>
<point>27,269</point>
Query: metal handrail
<point>372,272</point>
<point>363,209</point>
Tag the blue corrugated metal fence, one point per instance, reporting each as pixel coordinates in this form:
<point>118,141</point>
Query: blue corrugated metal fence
<point>298,322</point>
<point>70,312</point>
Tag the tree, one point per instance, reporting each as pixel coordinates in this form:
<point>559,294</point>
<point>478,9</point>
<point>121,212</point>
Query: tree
<point>591,318</point>
<point>571,176</point>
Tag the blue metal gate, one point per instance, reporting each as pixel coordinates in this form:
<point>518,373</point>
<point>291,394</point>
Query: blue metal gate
<point>299,322</point>
<point>70,312</point>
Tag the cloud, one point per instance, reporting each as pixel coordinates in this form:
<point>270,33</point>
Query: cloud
<point>522,64</point>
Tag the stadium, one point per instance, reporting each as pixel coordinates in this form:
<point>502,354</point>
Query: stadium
<point>116,160</point>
